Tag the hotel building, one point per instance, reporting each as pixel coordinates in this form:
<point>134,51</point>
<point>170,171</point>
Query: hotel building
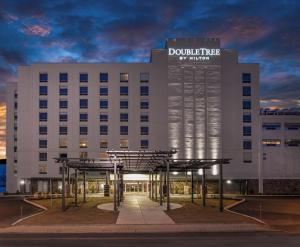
<point>192,96</point>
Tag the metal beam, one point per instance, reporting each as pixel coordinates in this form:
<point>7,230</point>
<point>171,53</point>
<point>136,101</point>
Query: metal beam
<point>192,187</point>
<point>84,186</point>
<point>115,186</point>
<point>76,187</point>
<point>221,187</point>
<point>63,199</point>
<point>160,189</point>
<point>203,189</point>
<point>168,185</point>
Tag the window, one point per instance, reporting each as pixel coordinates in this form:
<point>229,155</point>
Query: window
<point>63,143</point>
<point>83,117</point>
<point>246,104</point>
<point>63,130</point>
<point>103,91</point>
<point>63,104</point>
<point>247,131</point>
<point>271,126</point>
<point>144,118</point>
<point>43,77</point>
<point>83,155</point>
<point>103,143</point>
<point>103,77</point>
<point>42,156</point>
<point>292,126</point>
<point>63,117</point>
<point>63,155</point>
<point>83,143</point>
<point>124,143</point>
<point>246,77</point>
<point>247,117</point>
<point>292,143</point>
<point>43,104</point>
<point>271,142</point>
<point>43,130</point>
<point>144,77</point>
<point>63,91</point>
<point>124,77</point>
<point>42,170</point>
<point>247,144</point>
<point>123,130</point>
<point>246,91</point>
<point>144,143</point>
<point>247,157</point>
<point>103,104</point>
<point>43,90</point>
<point>144,91</point>
<point>63,77</point>
<point>83,90</point>
<point>123,90</point>
<point>144,104</point>
<point>103,155</point>
<point>83,130</point>
<point>123,104</point>
<point>43,116</point>
<point>42,143</point>
<point>103,130</point>
<point>83,77</point>
<point>144,130</point>
<point>83,103</point>
<point>123,117</point>
<point>103,117</point>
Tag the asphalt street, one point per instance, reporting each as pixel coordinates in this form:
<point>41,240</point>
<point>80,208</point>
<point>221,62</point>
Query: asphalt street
<point>151,239</point>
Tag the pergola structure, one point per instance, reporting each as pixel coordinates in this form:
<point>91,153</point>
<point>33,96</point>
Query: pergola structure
<point>142,161</point>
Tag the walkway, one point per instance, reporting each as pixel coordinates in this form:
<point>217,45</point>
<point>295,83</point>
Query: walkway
<point>138,209</point>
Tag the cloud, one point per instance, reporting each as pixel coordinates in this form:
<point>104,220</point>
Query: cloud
<point>36,30</point>
<point>2,130</point>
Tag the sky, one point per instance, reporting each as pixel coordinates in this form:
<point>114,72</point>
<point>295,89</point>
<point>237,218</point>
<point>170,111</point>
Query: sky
<point>265,32</point>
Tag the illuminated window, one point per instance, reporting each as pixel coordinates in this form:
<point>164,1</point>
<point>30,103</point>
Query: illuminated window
<point>42,168</point>
<point>271,142</point>
<point>83,155</point>
<point>124,77</point>
<point>103,155</point>
<point>63,143</point>
<point>63,77</point>
<point>103,77</point>
<point>144,77</point>
<point>123,143</point>
<point>83,143</point>
<point>103,143</point>
<point>43,77</point>
<point>83,77</point>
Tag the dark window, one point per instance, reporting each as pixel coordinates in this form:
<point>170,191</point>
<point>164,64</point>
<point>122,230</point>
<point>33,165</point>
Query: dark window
<point>247,144</point>
<point>43,130</point>
<point>83,117</point>
<point>124,77</point>
<point>144,77</point>
<point>144,118</point>
<point>43,116</point>
<point>144,143</point>
<point>123,130</point>
<point>63,155</point>
<point>103,77</point>
<point>103,117</point>
<point>246,91</point>
<point>83,103</point>
<point>246,77</point>
<point>83,90</point>
<point>63,117</point>
<point>292,143</point>
<point>103,91</point>
<point>63,91</point>
<point>103,104</point>
<point>247,131</point>
<point>63,77</point>
<point>43,103</point>
<point>63,104</point>
<point>292,126</point>
<point>63,130</point>
<point>123,104</point>
<point>246,104</point>
<point>123,90</point>
<point>247,117</point>
<point>144,130</point>
<point>43,90</point>
<point>144,105</point>
<point>83,130</point>
<point>83,77</point>
<point>43,77</point>
<point>271,126</point>
<point>144,91</point>
<point>103,129</point>
<point>43,143</point>
<point>124,117</point>
<point>42,156</point>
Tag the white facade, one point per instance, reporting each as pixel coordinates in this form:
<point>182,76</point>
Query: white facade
<point>195,106</point>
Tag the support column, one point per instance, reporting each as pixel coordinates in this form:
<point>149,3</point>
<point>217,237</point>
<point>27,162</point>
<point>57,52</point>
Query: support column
<point>203,188</point>
<point>221,187</point>
<point>149,185</point>
<point>115,186</point>
<point>168,185</point>
<point>160,189</point>
<point>152,192</point>
<point>192,187</point>
<point>63,199</point>
<point>118,189</point>
<point>84,186</point>
<point>106,186</point>
<point>155,186</point>
<point>68,183</point>
<point>76,187</point>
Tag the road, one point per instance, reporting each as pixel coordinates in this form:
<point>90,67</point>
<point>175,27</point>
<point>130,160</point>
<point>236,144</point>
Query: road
<point>144,240</point>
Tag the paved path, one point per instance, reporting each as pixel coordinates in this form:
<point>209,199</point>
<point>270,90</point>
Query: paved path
<point>141,210</point>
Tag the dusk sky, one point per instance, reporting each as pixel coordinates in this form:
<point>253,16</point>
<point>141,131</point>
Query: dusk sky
<point>265,32</point>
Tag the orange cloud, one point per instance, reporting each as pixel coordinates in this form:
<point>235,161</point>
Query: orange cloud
<point>2,131</point>
<point>37,30</point>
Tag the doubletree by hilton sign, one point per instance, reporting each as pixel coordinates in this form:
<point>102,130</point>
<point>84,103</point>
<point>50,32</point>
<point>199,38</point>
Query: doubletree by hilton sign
<point>195,54</point>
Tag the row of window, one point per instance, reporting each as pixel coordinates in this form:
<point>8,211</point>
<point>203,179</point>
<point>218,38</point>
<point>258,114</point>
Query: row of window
<point>277,126</point>
<point>103,91</point>
<point>103,77</point>
<point>277,142</point>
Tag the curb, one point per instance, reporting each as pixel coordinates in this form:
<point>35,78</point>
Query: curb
<point>32,215</point>
<point>244,215</point>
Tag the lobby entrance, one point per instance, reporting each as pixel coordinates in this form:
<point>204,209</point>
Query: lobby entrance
<point>135,187</point>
